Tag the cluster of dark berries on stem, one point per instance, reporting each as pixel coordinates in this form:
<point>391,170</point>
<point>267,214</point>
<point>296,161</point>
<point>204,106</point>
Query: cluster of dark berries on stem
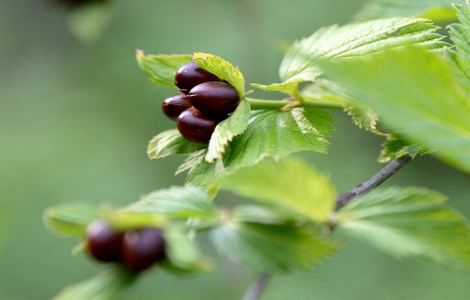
<point>204,101</point>
<point>137,249</point>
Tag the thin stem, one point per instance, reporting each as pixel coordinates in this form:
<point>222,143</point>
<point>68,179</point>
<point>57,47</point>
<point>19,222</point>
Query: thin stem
<point>373,182</point>
<point>256,290</point>
<point>279,104</point>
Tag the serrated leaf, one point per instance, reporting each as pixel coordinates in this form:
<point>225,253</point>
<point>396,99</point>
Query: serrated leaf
<point>436,10</point>
<point>352,40</point>
<point>260,214</point>
<point>396,146</point>
<point>226,130</point>
<point>290,87</point>
<point>177,203</point>
<point>270,248</point>
<point>161,69</point>
<point>191,162</point>
<point>222,69</point>
<point>460,35</point>
<point>107,285</point>
<point>271,134</point>
<point>70,219</point>
<point>409,222</point>
<point>183,256</point>
<point>289,183</point>
<point>169,143</point>
<point>425,103</point>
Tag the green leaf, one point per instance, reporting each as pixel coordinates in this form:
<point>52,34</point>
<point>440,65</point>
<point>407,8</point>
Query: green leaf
<point>169,143</point>
<point>161,69</point>
<point>325,92</point>
<point>271,134</point>
<point>395,147</point>
<point>177,203</point>
<point>89,22</point>
<point>408,222</point>
<point>70,219</point>
<point>289,87</point>
<point>260,214</point>
<point>183,256</point>
<point>460,35</point>
<point>436,10</point>
<point>270,248</point>
<point>425,103</point>
<point>300,61</point>
<point>222,69</point>
<point>107,285</point>
<point>227,130</point>
<point>289,183</point>
<point>126,219</point>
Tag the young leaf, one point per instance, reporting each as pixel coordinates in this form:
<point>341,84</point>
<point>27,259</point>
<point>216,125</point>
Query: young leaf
<point>288,87</point>
<point>289,183</point>
<point>425,103</point>
<point>105,286</point>
<point>70,219</point>
<point>177,203</point>
<point>183,256</point>
<point>271,248</point>
<point>222,69</point>
<point>161,69</point>
<point>359,39</point>
<point>271,134</point>
<point>436,10</point>
<point>169,143</point>
<point>227,130</point>
<point>408,222</point>
<point>460,35</point>
<point>395,147</point>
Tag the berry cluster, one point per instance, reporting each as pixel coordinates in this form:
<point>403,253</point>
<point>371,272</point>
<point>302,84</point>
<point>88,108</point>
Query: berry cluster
<point>204,101</point>
<point>136,249</point>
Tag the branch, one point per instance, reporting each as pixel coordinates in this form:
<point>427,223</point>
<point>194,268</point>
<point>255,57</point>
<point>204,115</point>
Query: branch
<point>373,182</point>
<point>258,287</point>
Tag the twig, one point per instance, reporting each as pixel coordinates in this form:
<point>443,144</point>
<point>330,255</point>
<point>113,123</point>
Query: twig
<point>256,290</point>
<point>373,182</point>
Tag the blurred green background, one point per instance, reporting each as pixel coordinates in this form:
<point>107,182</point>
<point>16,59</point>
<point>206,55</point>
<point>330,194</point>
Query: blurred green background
<point>75,119</point>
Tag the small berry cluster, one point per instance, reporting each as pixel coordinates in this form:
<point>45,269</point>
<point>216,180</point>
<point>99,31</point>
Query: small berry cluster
<point>204,101</point>
<point>136,249</point>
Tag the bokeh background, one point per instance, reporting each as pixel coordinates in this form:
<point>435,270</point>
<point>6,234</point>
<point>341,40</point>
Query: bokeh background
<point>75,119</point>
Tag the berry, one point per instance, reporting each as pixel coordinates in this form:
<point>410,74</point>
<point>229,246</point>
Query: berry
<point>194,126</point>
<point>174,106</point>
<point>102,242</point>
<point>214,98</point>
<point>142,248</point>
<point>190,75</point>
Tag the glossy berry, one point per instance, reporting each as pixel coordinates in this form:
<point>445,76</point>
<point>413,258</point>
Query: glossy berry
<point>142,248</point>
<point>174,106</point>
<point>214,98</point>
<point>102,242</point>
<point>194,126</point>
<point>190,75</point>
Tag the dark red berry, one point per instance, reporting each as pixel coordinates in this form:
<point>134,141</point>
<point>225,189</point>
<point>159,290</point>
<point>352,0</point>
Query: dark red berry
<point>142,248</point>
<point>190,75</point>
<point>194,126</point>
<point>102,242</point>
<point>174,106</point>
<point>214,98</point>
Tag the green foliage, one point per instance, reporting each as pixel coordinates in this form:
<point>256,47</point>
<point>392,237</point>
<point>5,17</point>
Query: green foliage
<point>70,219</point>
<point>289,183</point>
<point>460,35</point>
<point>396,146</point>
<point>225,131</point>
<point>271,134</point>
<point>222,68</point>
<point>161,69</point>
<point>107,285</point>
<point>170,142</point>
<point>436,10</point>
<point>288,87</point>
<point>425,103</point>
<point>176,203</point>
<point>353,40</point>
<point>271,248</point>
<point>409,222</point>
